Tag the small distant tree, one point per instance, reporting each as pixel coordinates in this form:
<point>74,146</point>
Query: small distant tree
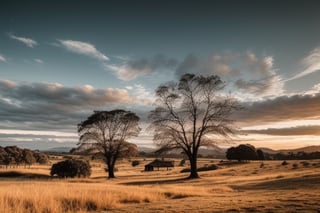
<point>189,111</point>
<point>108,131</point>
<point>27,157</point>
<point>3,156</point>
<point>71,168</point>
<point>41,158</point>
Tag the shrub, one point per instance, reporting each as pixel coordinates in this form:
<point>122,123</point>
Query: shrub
<point>182,162</point>
<point>305,163</point>
<point>135,163</point>
<point>284,163</point>
<point>71,168</point>
<point>294,166</point>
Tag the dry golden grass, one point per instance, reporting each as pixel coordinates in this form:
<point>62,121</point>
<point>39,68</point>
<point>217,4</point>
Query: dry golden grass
<point>232,188</point>
<point>62,196</point>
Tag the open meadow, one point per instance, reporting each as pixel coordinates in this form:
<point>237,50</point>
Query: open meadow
<point>246,187</point>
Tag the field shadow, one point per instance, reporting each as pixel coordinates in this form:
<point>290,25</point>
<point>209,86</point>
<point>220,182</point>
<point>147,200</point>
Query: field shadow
<point>13,174</point>
<point>152,182</point>
<point>308,181</point>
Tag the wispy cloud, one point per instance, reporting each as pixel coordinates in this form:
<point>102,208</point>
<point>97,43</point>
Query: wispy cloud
<point>297,130</point>
<point>83,48</point>
<point>135,68</point>
<point>38,60</point>
<point>311,64</point>
<point>2,58</point>
<point>250,74</point>
<point>27,41</point>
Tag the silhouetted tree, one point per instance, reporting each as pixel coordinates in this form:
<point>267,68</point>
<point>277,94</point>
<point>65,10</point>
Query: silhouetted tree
<point>71,168</point>
<point>108,130</point>
<point>242,152</point>
<point>260,154</point>
<point>188,111</point>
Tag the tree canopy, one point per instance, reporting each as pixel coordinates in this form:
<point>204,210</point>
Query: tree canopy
<point>242,152</point>
<point>189,112</point>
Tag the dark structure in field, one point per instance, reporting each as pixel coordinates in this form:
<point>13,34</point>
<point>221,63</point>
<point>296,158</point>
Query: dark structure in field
<point>158,164</point>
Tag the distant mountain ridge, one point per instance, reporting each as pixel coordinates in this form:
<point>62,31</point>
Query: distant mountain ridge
<point>307,149</point>
<point>212,152</point>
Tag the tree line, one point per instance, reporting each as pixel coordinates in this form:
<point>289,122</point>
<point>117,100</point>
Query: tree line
<point>15,156</point>
<point>246,152</point>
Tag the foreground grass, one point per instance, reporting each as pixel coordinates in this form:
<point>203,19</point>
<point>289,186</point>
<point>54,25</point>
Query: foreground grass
<point>61,196</point>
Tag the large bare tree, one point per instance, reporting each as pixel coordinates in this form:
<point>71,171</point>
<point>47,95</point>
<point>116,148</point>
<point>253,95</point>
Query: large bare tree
<point>188,113</point>
<point>108,131</point>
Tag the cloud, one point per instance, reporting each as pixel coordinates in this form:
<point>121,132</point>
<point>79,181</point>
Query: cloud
<point>314,90</point>
<point>283,108</point>
<point>298,130</point>
<point>39,142</point>
<point>2,58</point>
<point>249,73</point>
<point>311,64</point>
<point>38,60</point>
<point>27,41</point>
<point>270,85</point>
<point>50,106</point>
<point>83,48</point>
<point>135,68</point>
<point>142,95</point>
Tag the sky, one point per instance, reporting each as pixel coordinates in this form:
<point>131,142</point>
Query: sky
<point>61,60</point>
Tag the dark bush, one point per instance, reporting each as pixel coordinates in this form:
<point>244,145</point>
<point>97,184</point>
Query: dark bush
<point>294,166</point>
<point>284,163</point>
<point>182,162</point>
<point>71,168</point>
<point>305,163</point>
<point>135,163</point>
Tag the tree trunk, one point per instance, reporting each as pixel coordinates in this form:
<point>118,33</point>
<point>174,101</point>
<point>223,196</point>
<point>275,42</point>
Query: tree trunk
<point>110,169</point>
<point>193,167</point>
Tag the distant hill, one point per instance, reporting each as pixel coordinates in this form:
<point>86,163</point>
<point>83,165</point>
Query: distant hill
<point>307,149</point>
<point>59,149</point>
<point>213,152</point>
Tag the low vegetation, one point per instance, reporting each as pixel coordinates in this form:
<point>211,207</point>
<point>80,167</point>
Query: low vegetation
<point>15,156</point>
<point>71,168</point>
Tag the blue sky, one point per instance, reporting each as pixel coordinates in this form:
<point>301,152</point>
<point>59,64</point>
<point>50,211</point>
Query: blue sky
<point>60,60</point>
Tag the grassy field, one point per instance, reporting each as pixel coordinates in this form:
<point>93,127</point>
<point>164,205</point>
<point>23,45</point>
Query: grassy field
<point>247,187</point>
